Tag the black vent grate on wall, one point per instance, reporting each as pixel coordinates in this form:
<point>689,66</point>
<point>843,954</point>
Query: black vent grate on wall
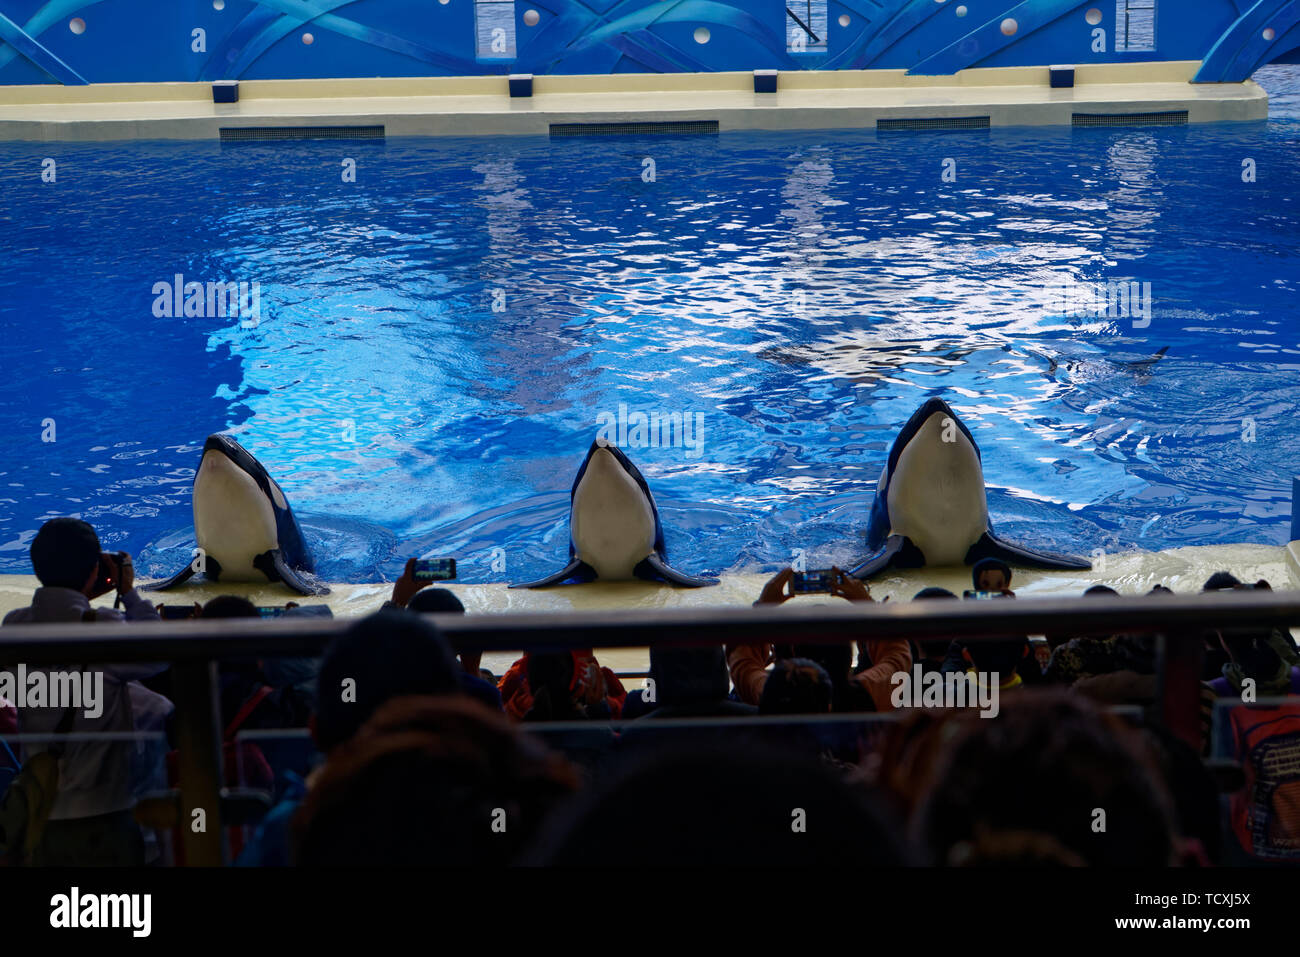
<point>897,124</point>
<point>677,127</point>
<point>1167,118</point>
<point>243,134</point>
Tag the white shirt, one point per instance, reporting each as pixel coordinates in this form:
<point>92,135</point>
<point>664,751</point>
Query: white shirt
<point>94,776</point>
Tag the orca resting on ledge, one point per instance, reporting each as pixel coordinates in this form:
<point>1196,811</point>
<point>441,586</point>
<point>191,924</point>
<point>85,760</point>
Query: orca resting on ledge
<point>243,524</point>
<point>614,528</point>
<point>931,505</point>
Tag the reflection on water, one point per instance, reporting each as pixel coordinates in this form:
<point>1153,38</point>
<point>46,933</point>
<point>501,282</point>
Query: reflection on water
<point>440,338</point>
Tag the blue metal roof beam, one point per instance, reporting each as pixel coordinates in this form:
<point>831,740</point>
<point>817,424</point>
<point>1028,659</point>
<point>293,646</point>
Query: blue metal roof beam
<point>1242,49</point>
<point>988,38</point>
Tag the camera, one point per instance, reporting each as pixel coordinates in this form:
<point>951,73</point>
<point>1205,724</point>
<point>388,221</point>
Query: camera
<point>108,578</point>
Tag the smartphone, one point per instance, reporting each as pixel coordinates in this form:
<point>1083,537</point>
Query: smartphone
<point>434,569</point>
<point>812,582</point>
<point>270,611</point>
<point>982,595</point>
<point>175,612</point>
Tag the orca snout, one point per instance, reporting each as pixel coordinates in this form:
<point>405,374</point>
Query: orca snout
<point>223,444</point>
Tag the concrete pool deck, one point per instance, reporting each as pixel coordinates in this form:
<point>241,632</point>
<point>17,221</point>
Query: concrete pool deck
<point>468,106</point>
<point>1130,573</point>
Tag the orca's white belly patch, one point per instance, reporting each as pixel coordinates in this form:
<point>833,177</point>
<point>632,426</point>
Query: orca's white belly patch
<point>612,523</point>
<point>233,519</point>
<point>936,495</point>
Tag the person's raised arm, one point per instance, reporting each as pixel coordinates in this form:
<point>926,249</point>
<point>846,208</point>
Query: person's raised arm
<point>405,588</point>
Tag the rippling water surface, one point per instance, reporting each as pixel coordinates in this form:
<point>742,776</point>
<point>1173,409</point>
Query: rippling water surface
<point>799,294</point>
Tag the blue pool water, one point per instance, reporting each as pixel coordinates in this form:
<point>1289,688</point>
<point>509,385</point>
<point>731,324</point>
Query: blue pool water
<point>677,295</point>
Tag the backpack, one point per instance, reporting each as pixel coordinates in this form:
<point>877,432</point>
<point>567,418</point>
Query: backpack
<point>26,803</point>
<point>1265,814</point>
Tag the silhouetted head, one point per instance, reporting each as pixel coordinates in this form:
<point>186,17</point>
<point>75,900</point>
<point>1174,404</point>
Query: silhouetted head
<point>550,679</point>
<point>1220,581</point>
<point>1001,657</point>
<point>433,600</point>
<point>229,606</point>
<point>990,574</point>
<point>1053,764</point>
<point>734,807</point>
<point>933,647</point>
<point>430,781</point>
<point>383,656</point>
<point>797,686</point>
<point>690,676</point>
<point>925,594</point>
<point>65,553</point>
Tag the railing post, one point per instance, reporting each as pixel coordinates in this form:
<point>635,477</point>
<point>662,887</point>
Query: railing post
<point>1181,659</point>
<point>1295,509</point>
<point>198,739</point>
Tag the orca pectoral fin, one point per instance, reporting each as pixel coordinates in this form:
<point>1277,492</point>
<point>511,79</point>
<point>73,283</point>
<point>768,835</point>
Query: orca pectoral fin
<point>179,578</point>
<point>273,566</point>
<point>211,572</point>
<point>654,568</point>
<point>899,552</point>
<point>576,569</point>
<point>990,547</point>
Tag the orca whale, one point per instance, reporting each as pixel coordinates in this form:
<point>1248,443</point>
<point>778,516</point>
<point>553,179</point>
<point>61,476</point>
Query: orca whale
<point>614,528</point>
<point>931,505</point>
<point>243,523</point>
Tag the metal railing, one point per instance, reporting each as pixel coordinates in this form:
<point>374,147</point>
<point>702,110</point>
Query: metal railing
<point>194,647</point>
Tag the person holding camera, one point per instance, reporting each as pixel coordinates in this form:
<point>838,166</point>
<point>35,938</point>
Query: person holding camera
<point>867,688</point>
<point>72,570</point>
<point>91,823</point>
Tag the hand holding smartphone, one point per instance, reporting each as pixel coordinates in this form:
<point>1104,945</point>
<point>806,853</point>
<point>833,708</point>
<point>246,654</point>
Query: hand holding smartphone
<point>434,569</point>
<point>419,573</point>
<point>812,582</point>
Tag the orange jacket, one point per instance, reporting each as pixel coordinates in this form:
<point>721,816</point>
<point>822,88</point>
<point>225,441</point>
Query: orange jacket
<point>591,683</point>
<point>748,665</point>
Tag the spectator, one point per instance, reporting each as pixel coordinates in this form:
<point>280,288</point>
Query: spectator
<point>246,692</point>
<point>1089,657</point>
<point>998,659</point>
<point>418,596</point>
<point>1268,658</point>
<point>778,809</point>
<point>1024,667</point>
<point>797,686</point>
<point>1050,765</point>
<point>691,683</point>
<point>430,781</point>
<point>869,689</point>
<point>384,656</point>
<point>572,684</point>
<point>930,653</point>
<point>387,655</point>
<point>91,823</point>
<point>992,574</point>
<point>1216,656</point>
<point>475,682</point>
